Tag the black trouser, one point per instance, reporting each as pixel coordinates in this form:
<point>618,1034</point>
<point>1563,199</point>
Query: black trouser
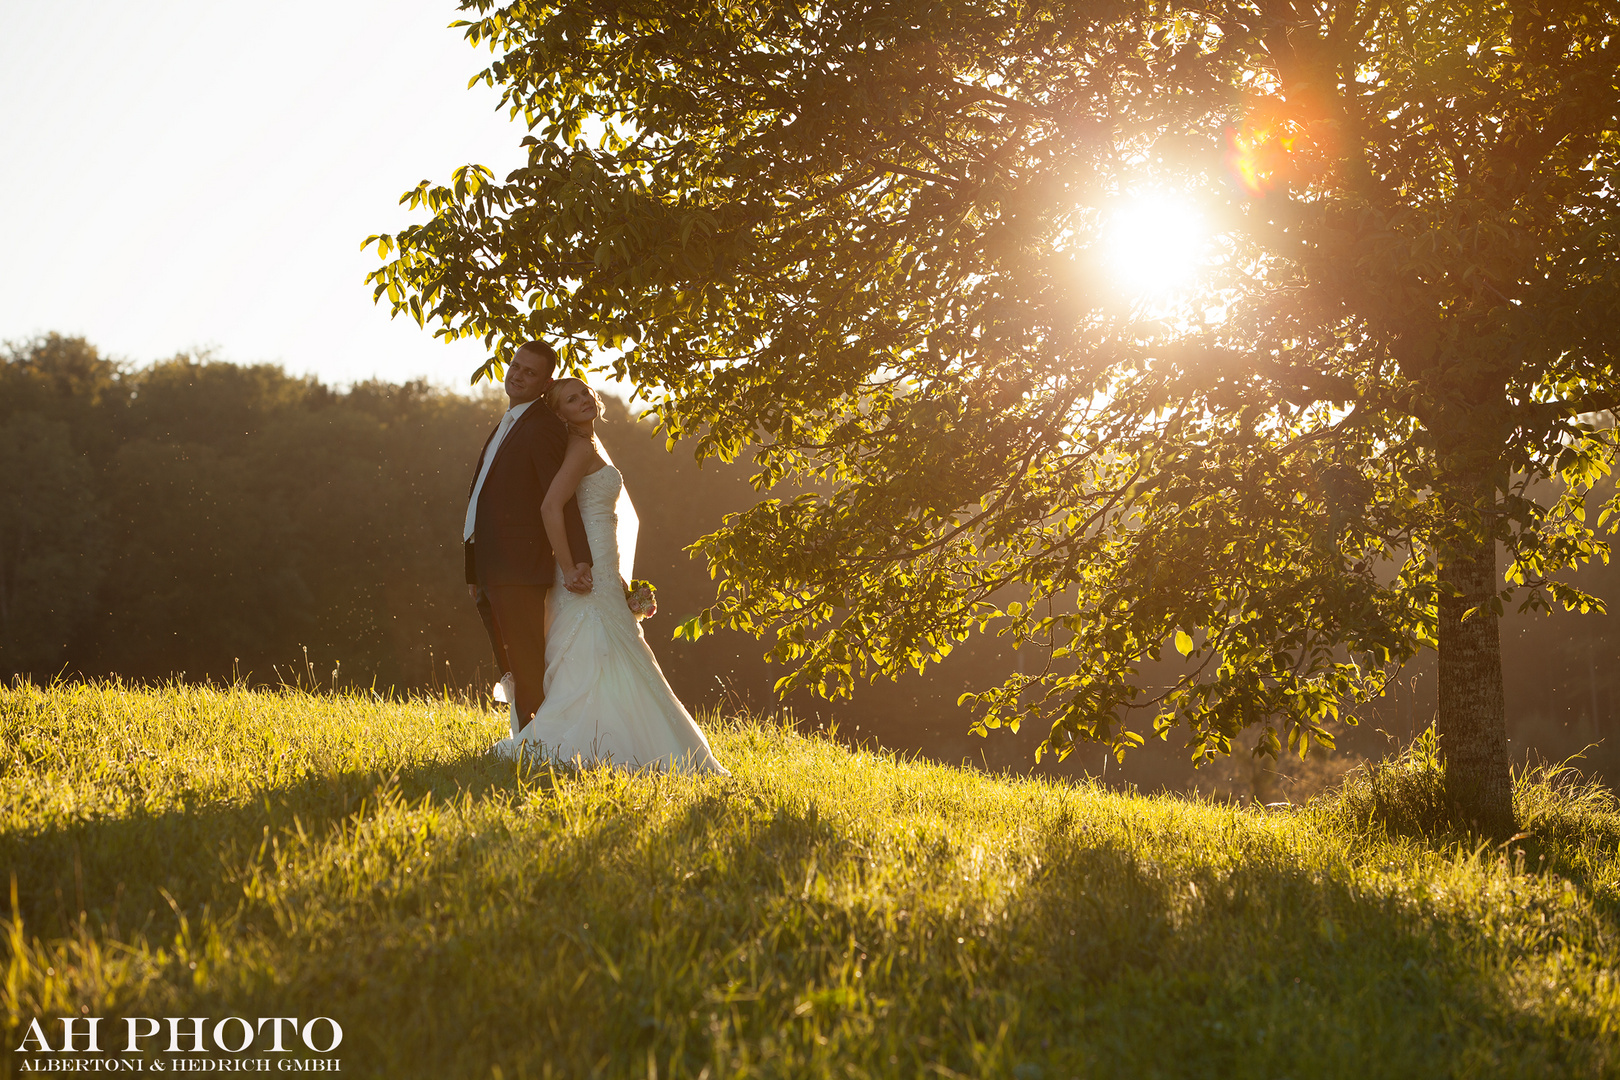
<point>515,617</point>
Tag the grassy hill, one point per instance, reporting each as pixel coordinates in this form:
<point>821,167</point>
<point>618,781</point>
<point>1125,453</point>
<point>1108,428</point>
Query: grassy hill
<point>196,852</point>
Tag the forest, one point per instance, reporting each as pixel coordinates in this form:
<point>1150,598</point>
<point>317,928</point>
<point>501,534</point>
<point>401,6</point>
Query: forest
<point>211,521</point>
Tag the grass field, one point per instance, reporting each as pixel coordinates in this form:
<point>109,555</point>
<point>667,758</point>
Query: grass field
<point>197,852</point>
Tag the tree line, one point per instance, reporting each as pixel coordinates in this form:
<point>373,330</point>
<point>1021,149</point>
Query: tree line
<point>212,520</point>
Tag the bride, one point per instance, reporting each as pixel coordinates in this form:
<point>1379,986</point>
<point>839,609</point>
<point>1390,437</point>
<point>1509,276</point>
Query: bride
<point>606,699</point>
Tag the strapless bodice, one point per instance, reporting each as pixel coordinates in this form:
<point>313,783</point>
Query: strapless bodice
<point>598,494</point>
<point>602,504</point>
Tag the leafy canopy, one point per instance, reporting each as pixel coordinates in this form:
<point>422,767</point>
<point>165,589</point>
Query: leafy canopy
<point>866,242</point>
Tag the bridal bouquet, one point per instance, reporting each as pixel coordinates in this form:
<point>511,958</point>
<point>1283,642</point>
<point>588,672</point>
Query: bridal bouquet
<point>642,598</point>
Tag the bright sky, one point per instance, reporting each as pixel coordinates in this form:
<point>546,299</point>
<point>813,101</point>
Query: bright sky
<point>180,174</point>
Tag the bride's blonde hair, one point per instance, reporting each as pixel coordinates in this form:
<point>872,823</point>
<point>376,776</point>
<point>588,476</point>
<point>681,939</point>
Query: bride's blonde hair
<point>554,393</point>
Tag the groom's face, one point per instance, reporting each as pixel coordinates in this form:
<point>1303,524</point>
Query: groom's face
<point>526,377</point>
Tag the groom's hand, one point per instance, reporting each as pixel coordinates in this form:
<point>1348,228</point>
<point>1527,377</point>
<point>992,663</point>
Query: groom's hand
<point>580,580</point>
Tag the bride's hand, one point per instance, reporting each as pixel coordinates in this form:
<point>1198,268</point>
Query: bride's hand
<point>580,580</point>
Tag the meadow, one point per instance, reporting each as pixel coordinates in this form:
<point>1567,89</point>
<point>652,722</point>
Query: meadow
<point>827,911</point>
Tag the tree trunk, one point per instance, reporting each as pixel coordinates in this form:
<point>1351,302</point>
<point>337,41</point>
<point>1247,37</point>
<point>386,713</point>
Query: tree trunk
<point>1472,721</point>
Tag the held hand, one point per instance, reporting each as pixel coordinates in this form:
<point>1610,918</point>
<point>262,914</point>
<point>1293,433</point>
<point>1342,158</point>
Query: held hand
<point>472,591</point>
<point>580,580</point>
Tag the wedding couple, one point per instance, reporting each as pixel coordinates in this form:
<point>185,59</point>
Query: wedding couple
<point>550,538</point>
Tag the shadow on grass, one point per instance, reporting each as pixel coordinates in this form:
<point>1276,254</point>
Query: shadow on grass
<point>116,869</point>
<point>1275,969</point>
<point>1569,824</point>
<point>743,930</point>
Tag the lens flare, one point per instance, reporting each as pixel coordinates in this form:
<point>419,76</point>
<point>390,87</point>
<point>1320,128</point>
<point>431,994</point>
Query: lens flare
<point>1280,144</point>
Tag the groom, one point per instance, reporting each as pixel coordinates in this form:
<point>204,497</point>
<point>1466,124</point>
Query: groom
<point>509,560</point>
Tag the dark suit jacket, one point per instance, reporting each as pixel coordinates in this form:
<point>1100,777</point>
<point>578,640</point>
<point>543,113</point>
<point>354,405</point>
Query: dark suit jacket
<point>509,537</point>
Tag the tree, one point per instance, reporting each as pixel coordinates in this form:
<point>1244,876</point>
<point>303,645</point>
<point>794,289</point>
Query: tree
<point>255,514</point>
<point>864,241</point>
<point>52,553</point>
<point>52,534</point>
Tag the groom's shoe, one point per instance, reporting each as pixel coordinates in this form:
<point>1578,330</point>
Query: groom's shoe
<point>507,691</point>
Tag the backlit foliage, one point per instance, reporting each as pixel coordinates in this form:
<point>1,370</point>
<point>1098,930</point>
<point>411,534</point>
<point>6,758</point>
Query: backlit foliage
<point>860,242</point>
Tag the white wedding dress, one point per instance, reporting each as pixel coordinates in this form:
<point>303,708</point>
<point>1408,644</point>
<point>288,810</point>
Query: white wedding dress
<point>606,698</point>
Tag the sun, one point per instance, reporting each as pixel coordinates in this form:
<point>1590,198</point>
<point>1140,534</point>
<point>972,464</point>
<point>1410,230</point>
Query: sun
<point>1154,244</point>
